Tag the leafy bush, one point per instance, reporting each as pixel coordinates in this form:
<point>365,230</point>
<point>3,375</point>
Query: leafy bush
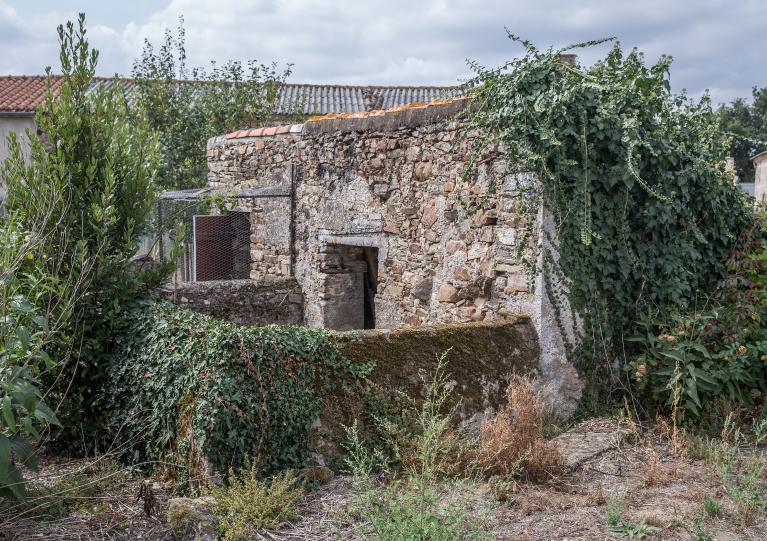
<point>191,389</point>
<point>84,195</point>
<point>249,504</point>
<point>25,332</point>
<point>643,212</point>
<point>186,107</point>
<point>693,358</point>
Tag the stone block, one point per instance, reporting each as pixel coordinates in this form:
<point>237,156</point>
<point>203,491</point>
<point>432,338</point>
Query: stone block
<point>447,293</point>
<point>453,246</point>
<point>429,216</point>
<point>422,289</point>
<point>192,519</point>
<point>422,171</point>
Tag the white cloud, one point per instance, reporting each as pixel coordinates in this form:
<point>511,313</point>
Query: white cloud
<point>716,44</point>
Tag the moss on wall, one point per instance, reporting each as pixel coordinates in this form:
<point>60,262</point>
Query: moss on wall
<point>481,356</point>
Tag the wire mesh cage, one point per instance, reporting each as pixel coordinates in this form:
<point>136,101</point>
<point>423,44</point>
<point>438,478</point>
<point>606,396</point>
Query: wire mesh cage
<point>205,246</point>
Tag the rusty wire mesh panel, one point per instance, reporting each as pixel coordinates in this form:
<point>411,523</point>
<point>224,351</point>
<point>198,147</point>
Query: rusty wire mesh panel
<point>222,247</point>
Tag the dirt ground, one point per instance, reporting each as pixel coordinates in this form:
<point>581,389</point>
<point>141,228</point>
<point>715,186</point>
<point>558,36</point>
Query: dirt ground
<point>658,488</point>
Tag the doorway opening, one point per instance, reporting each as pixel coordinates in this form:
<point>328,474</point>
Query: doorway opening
<point>349,287</point>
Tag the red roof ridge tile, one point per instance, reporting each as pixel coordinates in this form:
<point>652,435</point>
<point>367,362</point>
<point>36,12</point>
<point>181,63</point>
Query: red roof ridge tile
<point>279,130</point>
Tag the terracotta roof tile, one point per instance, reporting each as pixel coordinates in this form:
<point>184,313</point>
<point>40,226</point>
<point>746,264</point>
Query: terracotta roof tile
<point>279,130</point>
<point>24,93</point>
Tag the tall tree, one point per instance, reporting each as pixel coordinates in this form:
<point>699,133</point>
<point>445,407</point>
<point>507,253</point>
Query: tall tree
<point>747,122</point>
<point>186,106</point>
<point>85,196</point>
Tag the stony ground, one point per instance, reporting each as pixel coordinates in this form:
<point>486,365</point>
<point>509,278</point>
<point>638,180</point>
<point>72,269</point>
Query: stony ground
<point>661,490</point>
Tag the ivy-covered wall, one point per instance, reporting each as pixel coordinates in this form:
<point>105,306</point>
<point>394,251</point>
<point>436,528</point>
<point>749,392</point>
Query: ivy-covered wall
<point>198,394</point>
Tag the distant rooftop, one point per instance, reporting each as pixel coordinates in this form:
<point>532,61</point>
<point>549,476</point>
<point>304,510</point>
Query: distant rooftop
<point>21,94</point>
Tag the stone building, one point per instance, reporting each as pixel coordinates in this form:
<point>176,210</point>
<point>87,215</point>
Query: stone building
<point>375,220</point>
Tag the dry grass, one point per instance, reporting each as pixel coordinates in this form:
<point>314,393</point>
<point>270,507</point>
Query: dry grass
<point>512,444</point>
<point>654,471</point>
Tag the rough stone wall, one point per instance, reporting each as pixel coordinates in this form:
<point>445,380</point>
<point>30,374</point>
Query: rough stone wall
<point>397,189</point>
<point>265,163</point>
<point>246,302</point>
<point>448,247</point>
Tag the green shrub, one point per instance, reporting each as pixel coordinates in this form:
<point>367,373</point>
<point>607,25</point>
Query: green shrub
<point>643,211</point>
<point>191,387</point>
<point>694,359</point>
<point>742,464</point>
<point>616,507</point>
<point>712,507</point>
<point>249,503</point>
<point>84,190</point>
<point>422,499</point>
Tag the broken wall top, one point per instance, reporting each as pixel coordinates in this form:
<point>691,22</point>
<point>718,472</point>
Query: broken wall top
<point>406,116</point>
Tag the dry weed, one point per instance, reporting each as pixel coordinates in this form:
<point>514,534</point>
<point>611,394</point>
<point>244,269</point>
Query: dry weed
<point>512,443</point>
<point>655,472</point>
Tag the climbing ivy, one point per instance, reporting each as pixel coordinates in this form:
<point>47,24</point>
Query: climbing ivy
<point>642,213</point>
<point>187,386</point>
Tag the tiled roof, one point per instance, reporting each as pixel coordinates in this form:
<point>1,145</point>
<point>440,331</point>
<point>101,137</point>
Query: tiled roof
<point>327,99</point>
<point>24,93</point>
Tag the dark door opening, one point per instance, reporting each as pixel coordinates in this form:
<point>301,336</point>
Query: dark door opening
<point>350,283</point>
<point>371,286</point>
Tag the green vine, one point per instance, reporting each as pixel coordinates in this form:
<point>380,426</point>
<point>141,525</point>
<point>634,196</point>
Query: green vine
<point>187,386</point>
<point>633,178</point>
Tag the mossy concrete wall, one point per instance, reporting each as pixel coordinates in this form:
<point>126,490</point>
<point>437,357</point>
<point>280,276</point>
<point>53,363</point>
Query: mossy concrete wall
<point>479,357</point>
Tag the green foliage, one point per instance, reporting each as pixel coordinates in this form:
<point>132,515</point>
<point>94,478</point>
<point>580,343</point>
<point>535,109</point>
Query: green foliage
<point>741,464</point>
<point>186,107</point>
<point>424,500</point>
<point>188,385</point>
<point>615,518</point>
<point>249,503</point>
<point>642,211</point>
<point>616,508</point>
<point>631,530</point>
<point>712,507</point>
<point>691,359</point>
<point>24,334</point>
<point>747,122</point>
<point>84,196</point>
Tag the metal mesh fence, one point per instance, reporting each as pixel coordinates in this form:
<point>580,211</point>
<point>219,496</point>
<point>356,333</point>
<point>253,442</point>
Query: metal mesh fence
<point>204,246</point>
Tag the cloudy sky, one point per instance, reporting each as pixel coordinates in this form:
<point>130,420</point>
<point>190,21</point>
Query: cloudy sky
<point>717,45</point>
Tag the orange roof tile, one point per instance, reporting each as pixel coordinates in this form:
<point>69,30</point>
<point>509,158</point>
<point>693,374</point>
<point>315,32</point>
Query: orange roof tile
<point>24,93</point>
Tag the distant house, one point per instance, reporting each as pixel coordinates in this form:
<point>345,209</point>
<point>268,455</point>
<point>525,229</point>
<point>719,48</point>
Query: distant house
<point>760,175</point>
<point>20,95</point>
